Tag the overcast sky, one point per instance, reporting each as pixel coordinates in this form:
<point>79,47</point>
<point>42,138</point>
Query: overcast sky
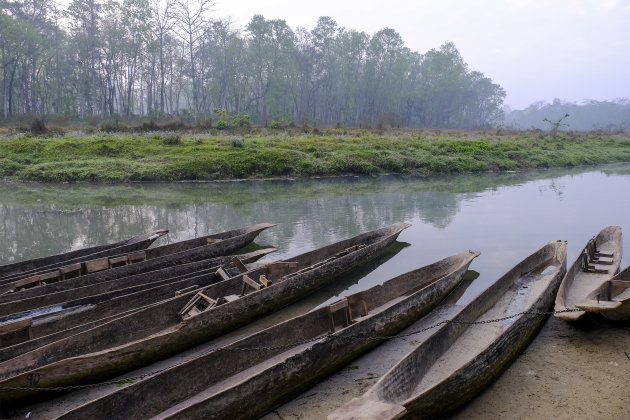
<point>535,49</point>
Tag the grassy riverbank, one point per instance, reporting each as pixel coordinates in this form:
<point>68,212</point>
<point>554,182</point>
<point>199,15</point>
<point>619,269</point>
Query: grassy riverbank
<point>165,156</point>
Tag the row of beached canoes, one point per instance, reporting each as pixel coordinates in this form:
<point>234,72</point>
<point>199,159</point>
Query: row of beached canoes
<point>144,314</point>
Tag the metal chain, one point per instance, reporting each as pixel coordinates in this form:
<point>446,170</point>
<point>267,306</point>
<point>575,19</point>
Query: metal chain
<point>132,379</point>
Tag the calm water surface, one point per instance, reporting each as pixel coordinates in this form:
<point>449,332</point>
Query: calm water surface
<point>505,216</point>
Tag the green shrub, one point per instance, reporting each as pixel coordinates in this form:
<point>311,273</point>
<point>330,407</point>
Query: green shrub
<point>222,125</point>
<point>9,167</point>
<point>171,140</point>
<point>237,143</point>
<point>241,120</point>
<point>274,124</point>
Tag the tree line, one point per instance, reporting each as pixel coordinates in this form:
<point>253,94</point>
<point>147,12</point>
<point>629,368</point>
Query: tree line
<point>613,115</point>
<point>161,58</point>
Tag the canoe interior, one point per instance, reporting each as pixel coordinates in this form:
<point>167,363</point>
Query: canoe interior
<point>611,299</point>
<point>219,383</point>
<point>578,282</point>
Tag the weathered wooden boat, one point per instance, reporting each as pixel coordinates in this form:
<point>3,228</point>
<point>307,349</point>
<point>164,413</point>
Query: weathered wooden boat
<point>23,332</point>
<point>115,287</point>
<point>598,262</point>
<point>9,271</point>
<point>456,360</point>
<point>109,268</point>
<point>611,299</point>
<point>168,327</point>
<point>281,361</point>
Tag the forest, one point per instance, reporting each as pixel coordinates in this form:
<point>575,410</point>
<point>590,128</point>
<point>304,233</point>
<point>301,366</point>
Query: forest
<point>109,59</point>
<point>590,115</point>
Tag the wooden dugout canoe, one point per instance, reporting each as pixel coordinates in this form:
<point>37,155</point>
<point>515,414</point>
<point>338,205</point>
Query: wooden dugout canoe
<point>155,258</point>
<point>455,361</point>
<point>22,268</point>
<point>611,299</point>
<point>598,262</point>
<point>231,384</point>
<point>168,327</point>
<point>33,329</point>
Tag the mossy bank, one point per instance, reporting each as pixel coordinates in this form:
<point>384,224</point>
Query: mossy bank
<point>104,157</point>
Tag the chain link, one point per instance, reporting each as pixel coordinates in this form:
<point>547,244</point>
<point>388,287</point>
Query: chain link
<point>330,335</point>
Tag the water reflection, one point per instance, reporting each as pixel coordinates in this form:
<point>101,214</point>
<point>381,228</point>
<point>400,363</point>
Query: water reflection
<point>505,216</point>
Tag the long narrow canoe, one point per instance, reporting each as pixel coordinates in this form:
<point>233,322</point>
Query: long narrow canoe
<point>455,361</point>
<point>611,299</point>
<point>286,358</point>
<point>117,286</point>
<point>597,263</point>
<point>138,242</point>
<point>33,329</point>
<point>158,258</point>
<point>120,265</point>
<point>170,326</point>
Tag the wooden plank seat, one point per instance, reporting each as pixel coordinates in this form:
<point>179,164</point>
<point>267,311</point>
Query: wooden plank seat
<point>15,332</point>
<point>256,285</point>
<point>118,261</point>
<point>231,269</point>
<point>38,280</point>
<point>70,271</point>
<point>239,265</point>
<point>280,268</point>
<point>587,267</point>
<point>339,314</point>
<point>98,264</point>
<point>357,302</point>
<point>135,257</point>
<point>596,256</point>
<point>201,303</point>
<point>198,304</point>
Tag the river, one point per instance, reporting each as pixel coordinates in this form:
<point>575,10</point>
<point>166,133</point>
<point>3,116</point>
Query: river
<point>506,216</point>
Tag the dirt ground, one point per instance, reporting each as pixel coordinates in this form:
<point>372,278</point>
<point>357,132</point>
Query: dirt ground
<point>567,372</point>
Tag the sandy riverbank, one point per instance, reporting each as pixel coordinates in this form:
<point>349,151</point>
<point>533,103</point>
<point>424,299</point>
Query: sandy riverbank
<point>567,372</point>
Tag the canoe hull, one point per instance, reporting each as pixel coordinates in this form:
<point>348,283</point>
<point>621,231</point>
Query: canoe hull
<point>289,375</point>
<point>102,308</point>
<point>577,283</point>
<point>62,291</point>
<point>399,393</point>
<point>117,347</point>
<point>132,244</point>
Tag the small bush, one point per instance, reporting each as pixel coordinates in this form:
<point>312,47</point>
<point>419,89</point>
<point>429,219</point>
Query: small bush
<point>274,124</point>
<point>237,143</point>
<point>38,127</point>
<point>241,120</point>
<point>222,125</point>
<point>9,167</point>
<point>171,140</point>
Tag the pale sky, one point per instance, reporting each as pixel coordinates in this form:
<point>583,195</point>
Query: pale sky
<point>535,49</point>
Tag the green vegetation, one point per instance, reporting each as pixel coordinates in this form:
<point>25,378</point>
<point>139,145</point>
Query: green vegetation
<point>230,154</point>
